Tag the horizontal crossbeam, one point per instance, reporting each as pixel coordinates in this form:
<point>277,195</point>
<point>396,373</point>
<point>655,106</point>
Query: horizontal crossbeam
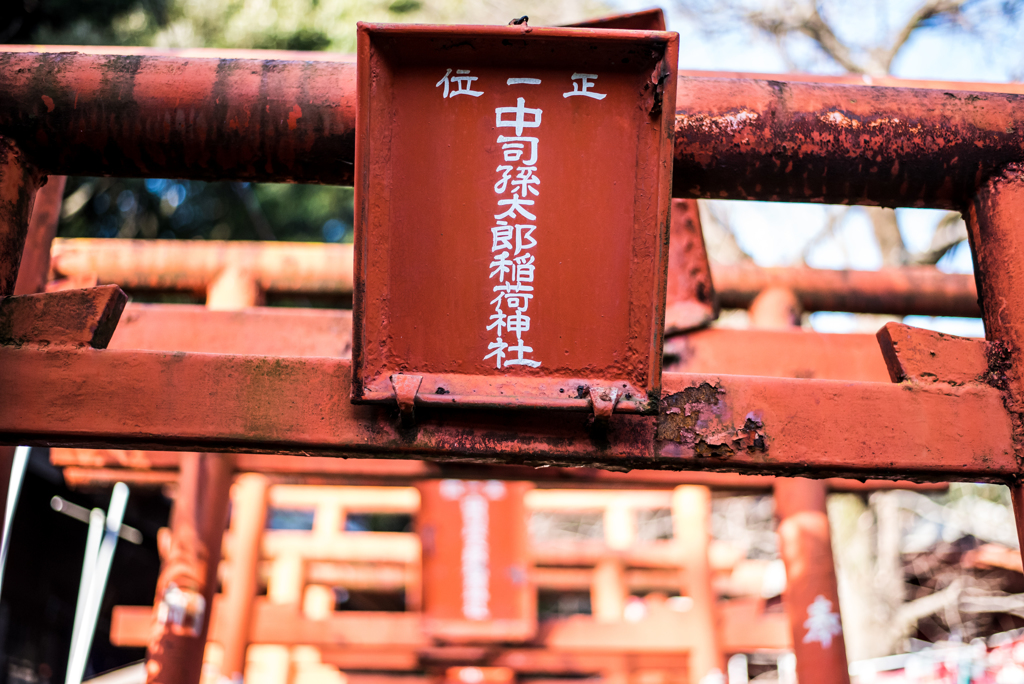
<point>327,268</point>
<point>208,402</point>
<point>280,120</point>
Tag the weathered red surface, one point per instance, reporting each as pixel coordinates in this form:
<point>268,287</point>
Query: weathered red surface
<point>993,222</point>
<point>922,290</point>
<point>287,405</point>
<point>327,268</point>
<point>42,227</point>
<point>323,332</point>
<point>928,356</point>
<point>775,353</point>
<point>840,144</point>
<point>433,272</point>
<point>103,467</point>
<point>189,570</point>
<point>265,331</point>
<point>690,294</point>
<point>202,118</point>
<point>749,138</point>
<point>19,181</point>
<point>574,645</point>
<point>476,561</point>
<point>62,319</point>
<point>194,265</point>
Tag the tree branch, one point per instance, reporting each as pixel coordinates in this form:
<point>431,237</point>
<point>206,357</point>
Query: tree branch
<point>926,12</point>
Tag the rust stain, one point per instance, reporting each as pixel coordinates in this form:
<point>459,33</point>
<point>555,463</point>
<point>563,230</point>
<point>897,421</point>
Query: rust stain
<point>293,117</point>
<point>698,418</point>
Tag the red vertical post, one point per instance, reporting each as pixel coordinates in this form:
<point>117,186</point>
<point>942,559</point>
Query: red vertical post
<point>248,520</point>
<point>995,223</point>
<point>690,295</point>
<point>476,585</point>
<point>188,575</point>
<point>812,593</point>
<point>691,527</point>
<point>18,184</point>
<point>42,228</point>
<point>805,543</point>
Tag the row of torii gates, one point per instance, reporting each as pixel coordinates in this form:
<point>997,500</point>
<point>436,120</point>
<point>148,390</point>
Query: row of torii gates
<point>236,388</point>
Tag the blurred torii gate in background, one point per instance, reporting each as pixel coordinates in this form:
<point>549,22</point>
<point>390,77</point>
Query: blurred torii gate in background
<point>954,415</point>
<point>238,268</point>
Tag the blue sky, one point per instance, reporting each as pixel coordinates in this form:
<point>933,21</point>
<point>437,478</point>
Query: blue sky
<point>775,234</point>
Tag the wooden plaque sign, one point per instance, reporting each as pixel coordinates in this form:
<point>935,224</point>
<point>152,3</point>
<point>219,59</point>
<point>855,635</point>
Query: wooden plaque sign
<point>512,205</point>
<point>476,560</point>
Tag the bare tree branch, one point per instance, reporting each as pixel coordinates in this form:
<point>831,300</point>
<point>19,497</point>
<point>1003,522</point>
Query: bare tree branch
<point>832,221</point>
<point>807,20</point>
<point>719,234</point>
<point>887,233</point>
<point>950,232</point>
<point>925,13</point>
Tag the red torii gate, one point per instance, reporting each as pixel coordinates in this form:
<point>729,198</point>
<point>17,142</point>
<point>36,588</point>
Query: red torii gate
<point>914,430</point>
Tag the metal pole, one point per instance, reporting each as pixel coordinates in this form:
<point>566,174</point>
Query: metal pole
<point>92,548</point>
<point>248,520</point>
<point>98,583</point>
<point>188,574</point>
<point>994,221</point>
<point>805,544</point>
<point>691,526</point>
<point>13,491</point>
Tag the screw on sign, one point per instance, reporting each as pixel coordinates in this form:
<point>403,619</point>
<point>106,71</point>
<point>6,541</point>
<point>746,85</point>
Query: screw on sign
<point>513,199</point>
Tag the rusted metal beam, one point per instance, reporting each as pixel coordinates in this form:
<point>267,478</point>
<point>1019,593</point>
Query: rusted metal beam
<point>327,268</point>
<point>921,290</point>
<point>324,332</point>
<point>104,467</point>
<point>74,318</point>
<point>993,225</point>
<point>192,265</point>
<point>993,222</point>
<point>65,397</point>
<point>840,144</point>
<point>201,118</point>
<point>924,356</point>
<point>280,120</point>
<point>267,331</point>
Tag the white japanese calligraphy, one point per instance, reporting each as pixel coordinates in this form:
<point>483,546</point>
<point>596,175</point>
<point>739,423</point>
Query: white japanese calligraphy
<point>474,503</point>
<point>821,623</point>
<point>581,85</point>
<point>519,122</point>
<point>513,265</point>
<point>462,83</point>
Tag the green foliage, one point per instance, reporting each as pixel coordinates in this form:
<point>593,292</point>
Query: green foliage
<point>168,209</point>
